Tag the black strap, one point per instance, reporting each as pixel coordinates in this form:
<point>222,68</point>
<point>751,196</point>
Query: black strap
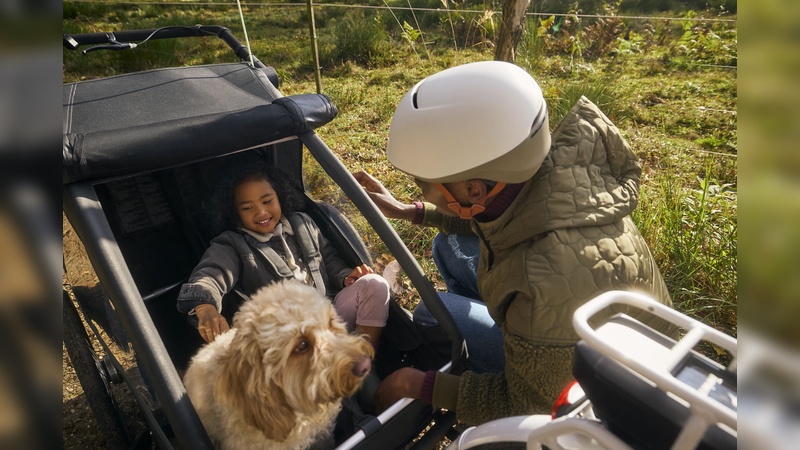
<point>369,425</point>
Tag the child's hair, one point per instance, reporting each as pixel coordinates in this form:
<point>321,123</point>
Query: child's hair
<point>288,192</point>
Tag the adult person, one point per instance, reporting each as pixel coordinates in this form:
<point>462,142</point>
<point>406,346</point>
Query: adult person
<point>552,215</point>
<point>455,252</point>
<point>455,246</point>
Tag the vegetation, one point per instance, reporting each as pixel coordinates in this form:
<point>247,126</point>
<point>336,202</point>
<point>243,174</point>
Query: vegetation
<point>669,85</point>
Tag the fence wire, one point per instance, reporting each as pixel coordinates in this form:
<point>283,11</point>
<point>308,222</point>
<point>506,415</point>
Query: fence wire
<point>408,8</point>
<point>386,7</point>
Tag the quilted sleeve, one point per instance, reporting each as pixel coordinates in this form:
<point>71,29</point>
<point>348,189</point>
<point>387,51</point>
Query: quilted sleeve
<point>446,224</point>
<point>533,378</point>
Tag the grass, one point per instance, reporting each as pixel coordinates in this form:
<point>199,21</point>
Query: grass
<point>658,82</point>
<point>692,231</point>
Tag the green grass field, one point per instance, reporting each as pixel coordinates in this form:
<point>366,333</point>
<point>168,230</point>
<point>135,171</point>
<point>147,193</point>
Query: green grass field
<point>669,85</point>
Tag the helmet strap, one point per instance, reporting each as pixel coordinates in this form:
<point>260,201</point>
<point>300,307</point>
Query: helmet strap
<point>468,212</point>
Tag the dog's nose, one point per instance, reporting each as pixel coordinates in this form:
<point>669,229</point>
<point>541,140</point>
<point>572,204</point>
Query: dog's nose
<point>361,367</point>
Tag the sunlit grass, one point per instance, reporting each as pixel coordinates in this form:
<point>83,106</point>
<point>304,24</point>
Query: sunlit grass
<point>692,231</point>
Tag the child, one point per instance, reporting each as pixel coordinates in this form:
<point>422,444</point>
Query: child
<point>266,241</point>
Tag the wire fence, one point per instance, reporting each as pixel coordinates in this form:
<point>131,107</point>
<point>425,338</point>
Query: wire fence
<point>664,20</point>
<point>408,8</point>
<point>493,10</point>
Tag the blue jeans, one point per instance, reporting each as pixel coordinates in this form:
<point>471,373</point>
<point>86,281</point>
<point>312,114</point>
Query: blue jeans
<point>456,257</point>
<point>483,336</point>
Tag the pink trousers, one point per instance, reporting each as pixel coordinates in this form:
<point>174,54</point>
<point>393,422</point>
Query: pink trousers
<point>365,302</point>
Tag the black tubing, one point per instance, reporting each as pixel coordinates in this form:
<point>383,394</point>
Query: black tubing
<point>74,41</point>
<point>85,213</point>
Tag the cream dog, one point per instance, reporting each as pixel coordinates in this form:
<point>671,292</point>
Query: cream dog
<point>277,378</point>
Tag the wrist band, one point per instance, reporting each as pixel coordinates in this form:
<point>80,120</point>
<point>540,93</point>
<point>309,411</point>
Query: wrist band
<point>426,393</point>
<point>419,214</point>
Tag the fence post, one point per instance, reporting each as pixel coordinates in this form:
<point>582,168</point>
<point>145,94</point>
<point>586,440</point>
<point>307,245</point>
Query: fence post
<point>511,27</point>
<point>313,29</point>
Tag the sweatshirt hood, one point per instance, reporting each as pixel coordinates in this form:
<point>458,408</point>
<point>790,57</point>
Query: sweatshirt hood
<point>589,178</point>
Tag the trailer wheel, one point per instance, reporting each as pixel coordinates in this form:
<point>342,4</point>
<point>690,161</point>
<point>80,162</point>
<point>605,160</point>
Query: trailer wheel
<point>92,376</point>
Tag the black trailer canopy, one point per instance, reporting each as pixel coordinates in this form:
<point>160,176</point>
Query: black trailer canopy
<point>138,122</point>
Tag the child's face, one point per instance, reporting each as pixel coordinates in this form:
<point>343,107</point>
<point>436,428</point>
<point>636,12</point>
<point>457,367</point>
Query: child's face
<point>257,205</point>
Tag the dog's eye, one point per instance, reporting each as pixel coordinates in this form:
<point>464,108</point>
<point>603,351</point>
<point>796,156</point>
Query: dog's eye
<point>301,346</point>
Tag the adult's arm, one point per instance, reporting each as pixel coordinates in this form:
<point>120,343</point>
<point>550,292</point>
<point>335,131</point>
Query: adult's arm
<point>530,384</point>
<point>444,223</point>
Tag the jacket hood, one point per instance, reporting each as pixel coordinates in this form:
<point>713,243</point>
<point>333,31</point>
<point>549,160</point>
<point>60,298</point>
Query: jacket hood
<point>590,177</point>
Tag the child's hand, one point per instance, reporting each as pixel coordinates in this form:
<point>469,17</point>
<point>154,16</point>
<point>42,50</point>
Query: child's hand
<point>357,273</point>
<point>210,322</point>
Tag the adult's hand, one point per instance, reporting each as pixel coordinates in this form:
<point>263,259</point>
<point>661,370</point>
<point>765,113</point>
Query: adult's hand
<point>405,382</point>
<point>210,322</point>
<point>384,200</point>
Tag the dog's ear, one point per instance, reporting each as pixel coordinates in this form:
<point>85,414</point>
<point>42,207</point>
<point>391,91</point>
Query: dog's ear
<point>273,417</point>
<point>243,385</point>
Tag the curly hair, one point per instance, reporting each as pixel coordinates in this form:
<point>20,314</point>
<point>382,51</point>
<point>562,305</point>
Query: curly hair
<point>289,191</point>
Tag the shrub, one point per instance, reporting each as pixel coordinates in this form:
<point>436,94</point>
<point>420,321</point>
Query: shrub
<point>601,92</point>
<point>359,38</point>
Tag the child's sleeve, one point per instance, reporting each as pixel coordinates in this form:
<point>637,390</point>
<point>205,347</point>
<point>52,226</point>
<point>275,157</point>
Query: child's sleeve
<point>335,266</point>
<point>213,277</point>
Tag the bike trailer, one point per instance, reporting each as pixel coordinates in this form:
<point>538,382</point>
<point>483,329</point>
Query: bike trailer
<point>141,155</point>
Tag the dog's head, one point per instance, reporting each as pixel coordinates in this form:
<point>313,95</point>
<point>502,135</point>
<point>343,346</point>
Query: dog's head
<point>291,353</point>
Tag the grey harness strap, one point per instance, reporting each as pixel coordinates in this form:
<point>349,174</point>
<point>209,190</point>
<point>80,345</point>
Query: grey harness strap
<point>308,247</point>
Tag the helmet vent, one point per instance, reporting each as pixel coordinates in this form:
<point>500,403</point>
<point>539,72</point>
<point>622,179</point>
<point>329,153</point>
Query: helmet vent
<point>414,100</point>
<point>538,121</point>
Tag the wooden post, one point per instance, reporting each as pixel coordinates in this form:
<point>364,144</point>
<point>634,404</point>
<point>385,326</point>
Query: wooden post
<point>512,25</point>
<point>313,29</point>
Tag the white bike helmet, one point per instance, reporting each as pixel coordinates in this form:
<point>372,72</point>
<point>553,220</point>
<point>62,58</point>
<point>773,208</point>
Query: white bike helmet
<point>480,120</point>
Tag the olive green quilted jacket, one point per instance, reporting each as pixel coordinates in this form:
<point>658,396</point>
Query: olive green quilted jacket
<point>565,239</point>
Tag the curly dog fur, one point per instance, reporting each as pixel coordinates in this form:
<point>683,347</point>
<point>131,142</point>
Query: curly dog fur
<point>277,378</point>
